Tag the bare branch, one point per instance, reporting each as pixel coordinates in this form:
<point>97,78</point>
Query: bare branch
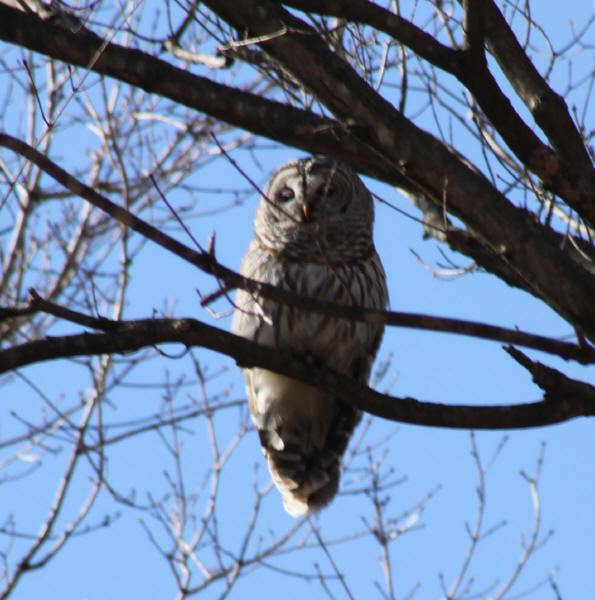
<point>362,11</point>
<point>547,107</point>
<point>137,334</point>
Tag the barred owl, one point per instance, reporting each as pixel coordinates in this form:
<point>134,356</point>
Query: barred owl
<point>313,236</point>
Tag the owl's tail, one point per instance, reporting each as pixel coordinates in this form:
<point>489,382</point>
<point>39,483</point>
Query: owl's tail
<point>303,433</point>
<point>305,483</point>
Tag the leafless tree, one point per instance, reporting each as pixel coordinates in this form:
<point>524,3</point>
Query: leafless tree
<point>114,119</point>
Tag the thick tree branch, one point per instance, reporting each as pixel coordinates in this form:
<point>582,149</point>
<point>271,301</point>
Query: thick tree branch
<point>583,354</point>
<point>576,188</point>
<point>548,108</point>
<point>133,335</point>
<point>368,13</point>
<point>557,387</point>
<point>473,28</point>
<point>286,124</point>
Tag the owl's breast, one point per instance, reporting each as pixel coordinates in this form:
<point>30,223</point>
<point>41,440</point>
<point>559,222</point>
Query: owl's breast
<point>337,343</point>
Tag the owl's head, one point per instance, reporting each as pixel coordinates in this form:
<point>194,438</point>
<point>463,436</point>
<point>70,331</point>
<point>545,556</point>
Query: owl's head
<point>313,207</point>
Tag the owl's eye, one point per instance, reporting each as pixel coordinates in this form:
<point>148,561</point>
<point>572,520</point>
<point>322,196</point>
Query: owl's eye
<point>285,195</point>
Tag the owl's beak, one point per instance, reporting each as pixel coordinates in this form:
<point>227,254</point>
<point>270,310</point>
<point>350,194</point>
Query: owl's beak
<point>306,209</point>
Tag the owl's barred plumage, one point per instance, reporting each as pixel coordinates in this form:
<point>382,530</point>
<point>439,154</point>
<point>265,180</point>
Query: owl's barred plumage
<point>313,236</point>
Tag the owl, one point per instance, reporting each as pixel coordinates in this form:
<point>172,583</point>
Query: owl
<point>313,236</point>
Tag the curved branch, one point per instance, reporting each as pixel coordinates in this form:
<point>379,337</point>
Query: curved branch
<point>548,108</point>
<point>407,149</point>
<point>368,13</point>
<point>133,335</point>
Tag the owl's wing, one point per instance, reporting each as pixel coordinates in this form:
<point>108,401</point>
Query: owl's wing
<point>249,312</point>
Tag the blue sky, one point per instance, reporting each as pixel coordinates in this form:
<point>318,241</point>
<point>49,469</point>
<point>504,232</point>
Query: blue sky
<point>118,562</point>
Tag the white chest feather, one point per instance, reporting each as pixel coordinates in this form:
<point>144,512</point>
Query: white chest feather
<point>296,412</point>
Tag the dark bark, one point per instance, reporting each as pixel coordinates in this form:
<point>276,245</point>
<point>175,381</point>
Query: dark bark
<point>413,153</point>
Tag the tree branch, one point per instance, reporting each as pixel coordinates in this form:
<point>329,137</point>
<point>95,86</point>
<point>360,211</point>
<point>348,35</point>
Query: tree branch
<point>557,386</point>
<point>133,335</point>
<point>473,28</point>
<point>368,13</point>
<point>281,122</point>
<point>548,108</point>
<point>405,148</point>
